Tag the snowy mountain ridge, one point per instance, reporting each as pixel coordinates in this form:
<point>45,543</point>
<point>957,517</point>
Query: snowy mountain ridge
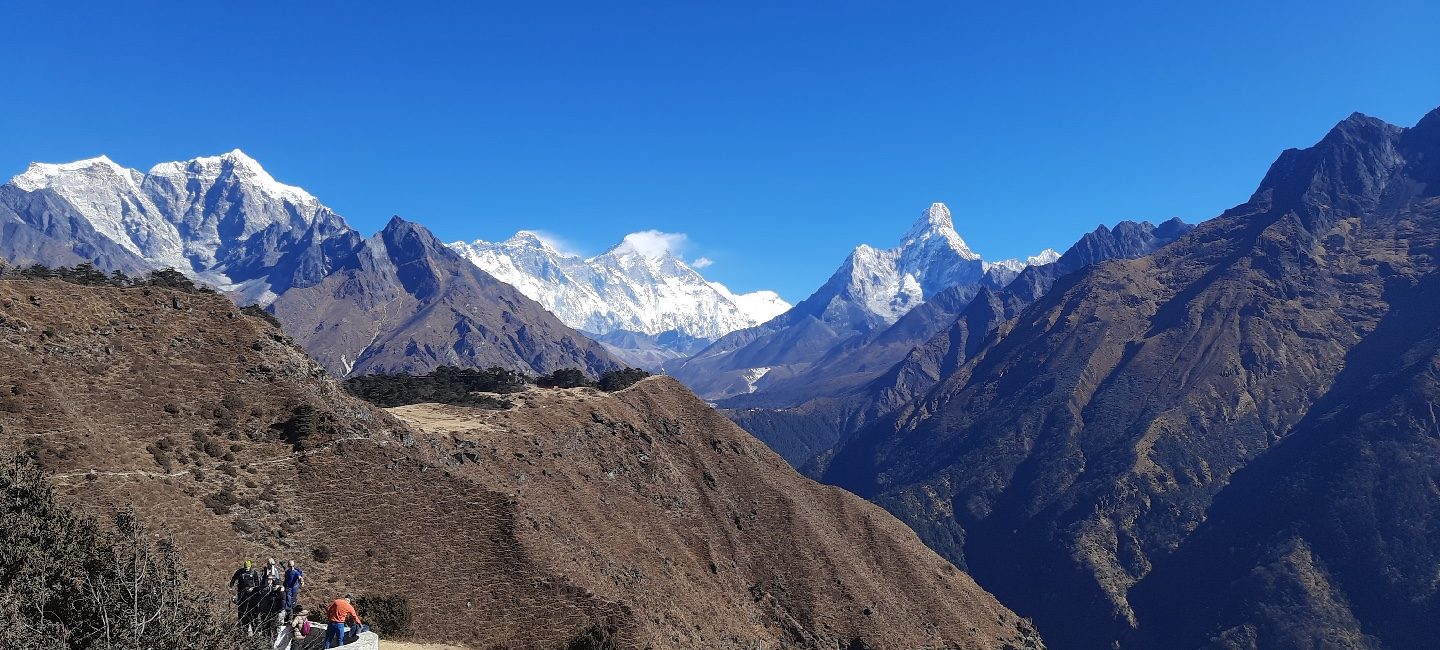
<point>870,292</point>
<point>221,219</point>
<point>636,286</point>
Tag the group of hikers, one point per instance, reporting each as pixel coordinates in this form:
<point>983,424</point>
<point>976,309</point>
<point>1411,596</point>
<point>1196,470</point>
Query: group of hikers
<point>268,598</point>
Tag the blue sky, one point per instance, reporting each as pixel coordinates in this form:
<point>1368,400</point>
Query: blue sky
<point>774,135</point>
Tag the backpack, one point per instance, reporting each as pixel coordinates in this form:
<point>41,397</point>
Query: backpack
<point>305,627</point>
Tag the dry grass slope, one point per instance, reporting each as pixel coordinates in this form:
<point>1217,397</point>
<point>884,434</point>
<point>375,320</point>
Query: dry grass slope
<point>643,514</point>
<point>650,498</point>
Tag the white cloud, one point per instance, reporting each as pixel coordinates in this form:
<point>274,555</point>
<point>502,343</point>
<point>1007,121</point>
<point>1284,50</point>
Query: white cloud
<point>654,243</point>
<point>557,242</point>
<point>701,262</point>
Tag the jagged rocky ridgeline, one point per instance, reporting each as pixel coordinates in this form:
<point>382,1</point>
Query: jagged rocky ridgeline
<point>640,516</point>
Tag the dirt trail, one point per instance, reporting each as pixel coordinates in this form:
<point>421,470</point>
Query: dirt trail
<point>402,645</point>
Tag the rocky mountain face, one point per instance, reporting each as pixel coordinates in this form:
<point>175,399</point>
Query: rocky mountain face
<point>803,417</point>
<point>404,302</point>
<point>631,288</point>
<point>637,519</point>
<point>1228,443</point>
<point>870,291</point>
<point>395,302</point>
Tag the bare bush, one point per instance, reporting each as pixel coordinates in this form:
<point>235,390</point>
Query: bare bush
<point>67,582</point>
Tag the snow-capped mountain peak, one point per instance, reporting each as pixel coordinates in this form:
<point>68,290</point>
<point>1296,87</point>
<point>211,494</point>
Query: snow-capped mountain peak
<point>45,175</point>
<point>528,239</point>
<point>887,283</point>
<point>1047,256</point>
<point>638,285</point>
<point>209,170</point>
<point>173,216</point>
<point>110,198</point>
<point>937,227</point>
<point>1002,272</point>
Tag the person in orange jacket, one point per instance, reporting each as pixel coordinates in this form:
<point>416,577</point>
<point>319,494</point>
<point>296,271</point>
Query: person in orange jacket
<point>338,614</point>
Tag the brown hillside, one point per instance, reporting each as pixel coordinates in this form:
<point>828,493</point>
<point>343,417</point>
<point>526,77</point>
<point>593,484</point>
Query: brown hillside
<point>226,437</point>
<point>649,497</point>
<point>92,377</point>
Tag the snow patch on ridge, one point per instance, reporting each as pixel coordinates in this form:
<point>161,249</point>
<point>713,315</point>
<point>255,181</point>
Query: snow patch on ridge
<point>753,376</point>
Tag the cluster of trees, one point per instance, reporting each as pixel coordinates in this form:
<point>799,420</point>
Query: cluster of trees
<point>67,582</point>
<point>620,379</point>
<point>458,386</point>
<point>87,274</point>
<point>445,385</point>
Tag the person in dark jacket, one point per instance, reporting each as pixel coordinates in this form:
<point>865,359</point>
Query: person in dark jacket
<point>246,584</point>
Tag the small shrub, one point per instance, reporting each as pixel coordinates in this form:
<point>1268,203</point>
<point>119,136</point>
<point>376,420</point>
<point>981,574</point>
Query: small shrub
<point>33,446</point>
<point>161,457</point>
<point>303,423</point>
<point>10,404</point>
<point>389,615</point>
<point>232,402</point>
<point>595,637</point>
<point>221,502</point>
<point>322,553</point>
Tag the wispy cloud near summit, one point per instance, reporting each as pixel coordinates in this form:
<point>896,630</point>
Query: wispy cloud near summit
<point>557,242</point>
<point>654,243</point>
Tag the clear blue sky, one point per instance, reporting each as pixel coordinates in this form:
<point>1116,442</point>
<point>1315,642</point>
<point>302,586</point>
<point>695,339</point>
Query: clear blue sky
<point>776,135</point>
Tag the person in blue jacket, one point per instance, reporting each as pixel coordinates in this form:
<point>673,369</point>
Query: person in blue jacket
<point>294,580</point>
